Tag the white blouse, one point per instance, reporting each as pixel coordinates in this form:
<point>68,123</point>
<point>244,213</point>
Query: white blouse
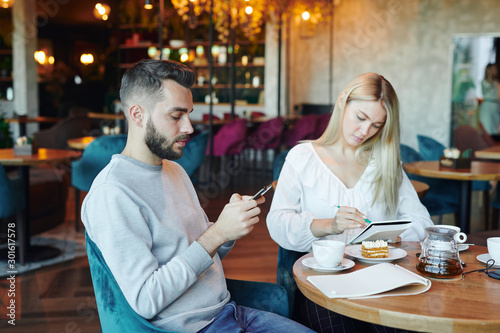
<point>307,190</point>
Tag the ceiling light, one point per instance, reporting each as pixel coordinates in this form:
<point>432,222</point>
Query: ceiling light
<point>148,4</point>
<point>101,11</point>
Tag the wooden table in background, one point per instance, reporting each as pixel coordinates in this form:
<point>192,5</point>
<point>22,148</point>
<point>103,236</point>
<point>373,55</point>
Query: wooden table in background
<point>491,153</point>
<point>23,120</point>
<point>467,305</point>
<point>80,143</point>
<point>24,162</point>
<point>479,171</point>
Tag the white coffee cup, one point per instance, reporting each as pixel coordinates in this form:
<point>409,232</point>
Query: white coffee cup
<point>328,253</point>
<point>494,248</point>
<point>460,237</point>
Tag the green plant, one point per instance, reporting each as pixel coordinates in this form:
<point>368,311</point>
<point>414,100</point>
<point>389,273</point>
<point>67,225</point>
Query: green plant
<point>5,134</point>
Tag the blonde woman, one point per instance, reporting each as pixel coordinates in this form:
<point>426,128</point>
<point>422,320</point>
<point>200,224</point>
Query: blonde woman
<point>328,186</point>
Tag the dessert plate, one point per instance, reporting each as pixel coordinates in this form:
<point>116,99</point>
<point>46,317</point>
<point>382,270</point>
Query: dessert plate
<point>462,247</point>
<point>311,263</point>
<point>394,254</point>
<point>485,257</point>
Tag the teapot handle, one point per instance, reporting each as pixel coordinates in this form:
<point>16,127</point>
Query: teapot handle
<point>460,237</point>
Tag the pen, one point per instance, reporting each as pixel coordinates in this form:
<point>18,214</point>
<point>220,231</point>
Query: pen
<point>366,220</point>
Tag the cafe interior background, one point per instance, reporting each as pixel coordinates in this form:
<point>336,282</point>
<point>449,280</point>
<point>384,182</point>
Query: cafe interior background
<point>433,52</point>
<point>409,42</point>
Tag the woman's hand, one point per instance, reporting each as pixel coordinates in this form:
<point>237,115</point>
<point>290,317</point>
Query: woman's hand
<point>346,218</point>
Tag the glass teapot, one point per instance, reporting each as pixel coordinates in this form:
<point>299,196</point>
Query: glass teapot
<point>439,257</point>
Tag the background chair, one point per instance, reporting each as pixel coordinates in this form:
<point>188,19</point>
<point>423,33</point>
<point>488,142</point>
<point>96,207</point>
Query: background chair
<point>229,141</point>
<point>322,124</point>
<point>12,194</point>
<point>116,315</point>
<point>304,129</point>
<point>193,154</point>
<point>286,258</point>
<point>56,136</point>
<point>467,137</point>
<point>429,148</point>
<point>94,158</point>
<point>442,197</point>
<point>268,135</point>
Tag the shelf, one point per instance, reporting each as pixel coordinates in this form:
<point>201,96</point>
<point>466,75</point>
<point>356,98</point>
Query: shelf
<point>5,79</point>
<point>229,65</point>
<point>6,52</point>
<point>138,46</point>
<point>228,86</point>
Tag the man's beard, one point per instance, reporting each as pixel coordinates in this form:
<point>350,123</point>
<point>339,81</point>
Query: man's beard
<point>160,145</point>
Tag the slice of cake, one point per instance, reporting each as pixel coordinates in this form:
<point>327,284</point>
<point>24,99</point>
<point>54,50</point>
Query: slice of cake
<point>374,249</point>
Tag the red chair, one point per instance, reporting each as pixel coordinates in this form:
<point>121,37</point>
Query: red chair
<point>267,135</point>
<point>206,117</point>
<point>322,124</point>
<point>230,139</point>
<point>304,129</point>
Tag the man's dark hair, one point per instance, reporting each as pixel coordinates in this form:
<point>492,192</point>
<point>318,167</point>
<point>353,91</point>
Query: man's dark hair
<point>146,77</point>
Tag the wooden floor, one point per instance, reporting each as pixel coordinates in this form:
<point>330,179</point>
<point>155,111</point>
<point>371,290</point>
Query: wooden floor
<point>60,298</point>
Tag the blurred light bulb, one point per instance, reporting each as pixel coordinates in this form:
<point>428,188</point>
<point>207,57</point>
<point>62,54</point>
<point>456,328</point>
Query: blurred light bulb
<point>248,10</point>
<point>306,15</point>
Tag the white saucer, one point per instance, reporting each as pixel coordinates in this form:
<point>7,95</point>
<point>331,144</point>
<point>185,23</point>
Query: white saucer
<point>394,254</point>
<point>485,257</point>
<point>311,263</point>
<point>462,247</point>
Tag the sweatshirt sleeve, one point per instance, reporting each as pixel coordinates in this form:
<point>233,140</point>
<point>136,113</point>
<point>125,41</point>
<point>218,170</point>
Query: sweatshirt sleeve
<point>120,229</point>
<point>288,225</point>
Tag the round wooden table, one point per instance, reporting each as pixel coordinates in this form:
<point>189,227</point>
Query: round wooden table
<point>479,171</point>
<point>420,187</point>
<point>471,304</point>
<point>24,162</point>
<point>80,143</point>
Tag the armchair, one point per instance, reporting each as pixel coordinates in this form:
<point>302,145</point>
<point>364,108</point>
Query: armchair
<point>116,315</point>
<point>94,158</point>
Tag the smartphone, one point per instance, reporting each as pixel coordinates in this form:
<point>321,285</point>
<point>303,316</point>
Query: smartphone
<point>262,191</point>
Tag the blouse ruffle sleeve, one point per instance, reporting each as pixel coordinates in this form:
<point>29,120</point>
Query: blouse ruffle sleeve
<point>410,207</point>
<point>287,224</point>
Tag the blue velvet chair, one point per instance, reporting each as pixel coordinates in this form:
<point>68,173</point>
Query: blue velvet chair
<point>116,315</point>
<point>194,154</point>
<point>286,258</point>
<point>442,197</point>
<point>94,158</point>
<point>11,194</point>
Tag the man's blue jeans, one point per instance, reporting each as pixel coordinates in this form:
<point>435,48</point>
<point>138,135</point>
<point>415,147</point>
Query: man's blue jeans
<point>234,318</point>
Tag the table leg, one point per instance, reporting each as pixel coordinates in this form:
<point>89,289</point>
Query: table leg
<point>28,253</point>
<point>465,206</point>
<point>24,217</point>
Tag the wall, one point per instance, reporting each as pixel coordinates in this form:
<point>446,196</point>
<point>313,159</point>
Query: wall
<point>407,41</point>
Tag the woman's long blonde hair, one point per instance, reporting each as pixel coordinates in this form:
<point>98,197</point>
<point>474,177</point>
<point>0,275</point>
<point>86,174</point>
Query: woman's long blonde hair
<point>383,147</point>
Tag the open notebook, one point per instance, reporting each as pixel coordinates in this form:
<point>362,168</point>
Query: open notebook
<point>379,280</point>
<point>382,230</point>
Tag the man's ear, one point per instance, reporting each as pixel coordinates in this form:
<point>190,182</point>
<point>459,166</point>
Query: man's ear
<point>136,114</point>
